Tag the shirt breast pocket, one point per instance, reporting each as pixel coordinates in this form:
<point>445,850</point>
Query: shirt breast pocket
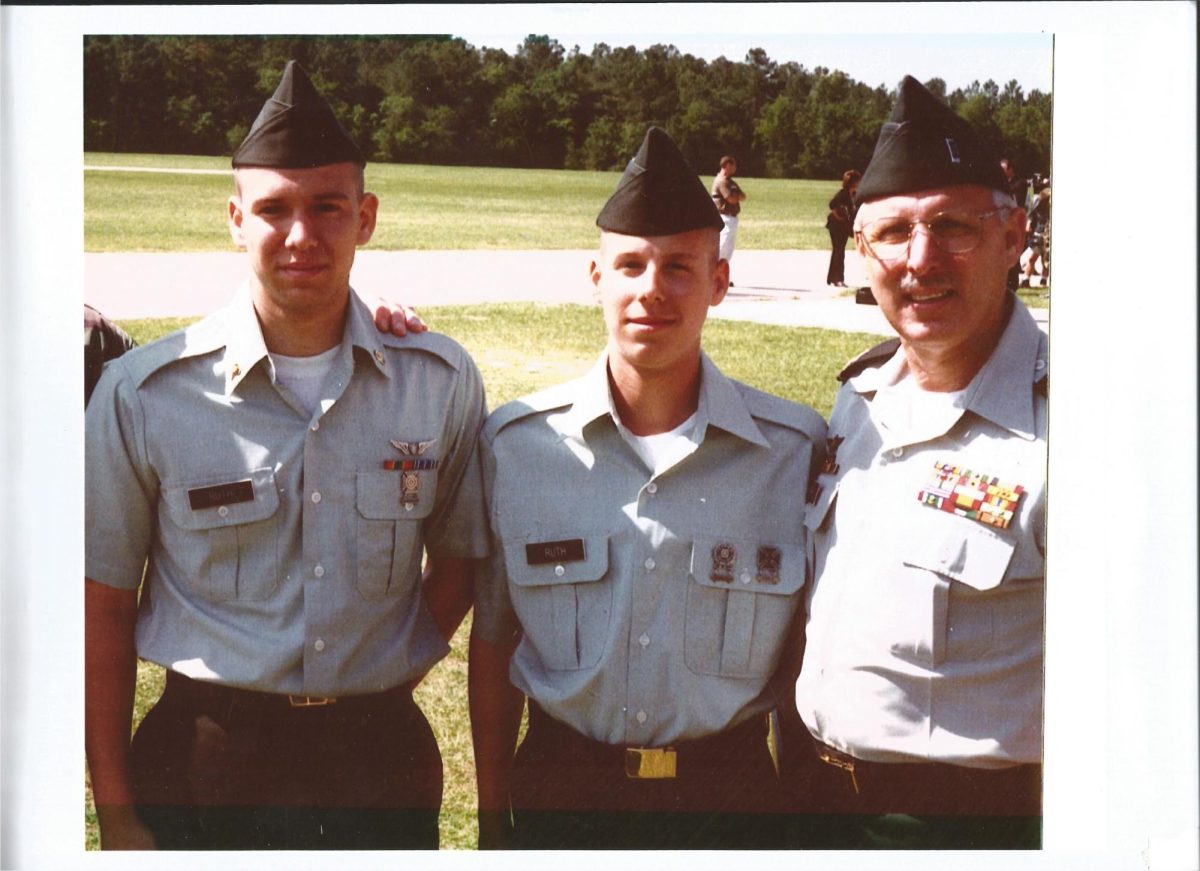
<point>741,597</point>
<point>227,550</point>
<point>976,563</point>
<point>565,607</point>
<point>391,505</point>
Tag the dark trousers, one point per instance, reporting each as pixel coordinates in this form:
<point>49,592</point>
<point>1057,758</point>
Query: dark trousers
<point>845,803</point>
<point>220,768</point>
<point>837,257</point>
<point>570,792</point>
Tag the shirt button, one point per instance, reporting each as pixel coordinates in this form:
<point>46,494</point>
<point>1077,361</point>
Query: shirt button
<point>319,571</point>
<point>649,563</point>
<point>651,488</point>
<point>644,640</point>
<point>223,511</point>
<point>1039,365</point>
<point>745,577</point>
<point>559,571</point>
<point>897,452</point>
<point>319,646</point>
<point>316,497</point>
<point>641,716</point>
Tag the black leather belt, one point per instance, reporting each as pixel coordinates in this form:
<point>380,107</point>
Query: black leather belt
<point>935,787</point>
<point>643,763</point>
<point>212,697</point>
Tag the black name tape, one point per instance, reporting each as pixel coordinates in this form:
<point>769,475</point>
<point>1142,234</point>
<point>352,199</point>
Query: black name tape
<point>570,550</point>
<point>221,494</point>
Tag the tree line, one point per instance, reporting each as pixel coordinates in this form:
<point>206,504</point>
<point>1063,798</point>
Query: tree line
<point>439,100</point>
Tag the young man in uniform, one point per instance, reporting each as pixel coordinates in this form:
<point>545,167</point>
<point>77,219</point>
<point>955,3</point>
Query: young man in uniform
<point>649,558</point>
<point>277,471</point>
<point>921,685</point>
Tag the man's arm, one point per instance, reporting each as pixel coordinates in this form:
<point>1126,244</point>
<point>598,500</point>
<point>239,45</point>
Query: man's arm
<point>449,584</point>
<point>110,673</point>
<point>496,707</point>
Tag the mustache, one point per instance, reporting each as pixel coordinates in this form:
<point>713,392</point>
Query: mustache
<point>910,284</point>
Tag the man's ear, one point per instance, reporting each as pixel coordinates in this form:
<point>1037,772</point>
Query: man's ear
<point>368,213</point>
<point>235,222</point>
<point>722,282</point>
<point>1014,235</point>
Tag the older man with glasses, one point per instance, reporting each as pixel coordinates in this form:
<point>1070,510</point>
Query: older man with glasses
<point>921,685</point>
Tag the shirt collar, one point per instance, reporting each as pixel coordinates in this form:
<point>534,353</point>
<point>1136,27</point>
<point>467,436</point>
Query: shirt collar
<point>720,404</point>
<point>244,343</point>
<point>245,346</point>
<point>1002,391</point>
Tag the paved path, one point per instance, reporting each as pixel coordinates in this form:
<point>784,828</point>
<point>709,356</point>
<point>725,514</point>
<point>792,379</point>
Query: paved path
<point>779,287</point>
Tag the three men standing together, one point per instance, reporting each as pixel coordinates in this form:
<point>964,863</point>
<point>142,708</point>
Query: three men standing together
<point>661,541</point>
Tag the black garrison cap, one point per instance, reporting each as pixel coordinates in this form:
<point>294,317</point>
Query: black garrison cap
<point>296,129</point>
<point>926,144</point>
<point>659,194</point>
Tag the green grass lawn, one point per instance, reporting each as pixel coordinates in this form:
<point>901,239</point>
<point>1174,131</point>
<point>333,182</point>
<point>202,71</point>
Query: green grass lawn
<point>422,207</point>
<point>798,363</point>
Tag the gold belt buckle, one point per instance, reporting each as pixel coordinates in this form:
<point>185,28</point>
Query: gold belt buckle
<point>310,701</point>
<point>840,760</point>
<point>649,763</point>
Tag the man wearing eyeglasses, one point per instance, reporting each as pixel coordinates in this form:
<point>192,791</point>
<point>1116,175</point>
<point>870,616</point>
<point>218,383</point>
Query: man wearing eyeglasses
<point>921,686</point>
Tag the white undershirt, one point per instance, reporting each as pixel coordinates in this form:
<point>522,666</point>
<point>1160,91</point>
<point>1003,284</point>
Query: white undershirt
<point>905,403</point>
<point>662,450</point>
<point>303,376</point>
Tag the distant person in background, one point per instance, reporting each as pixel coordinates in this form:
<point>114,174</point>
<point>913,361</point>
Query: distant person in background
<point>1019,188</point>
<point>728,196</point>
<point>102,341</point>
<point>1037,232</point>
<point>840,224</point>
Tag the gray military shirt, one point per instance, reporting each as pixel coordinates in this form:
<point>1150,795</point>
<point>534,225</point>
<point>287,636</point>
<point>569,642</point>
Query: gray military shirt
<point>654,608</point>
<point>284,548</point>
<point>926,617</point>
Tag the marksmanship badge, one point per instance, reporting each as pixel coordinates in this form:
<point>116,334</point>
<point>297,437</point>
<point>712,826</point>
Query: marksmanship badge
<point>723,557</point>
<point>769,560</point>
<point>410,489</point>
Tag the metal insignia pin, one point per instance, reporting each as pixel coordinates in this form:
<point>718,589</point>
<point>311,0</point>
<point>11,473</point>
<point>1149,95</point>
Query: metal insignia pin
<point>769,561</point>
<point>410,489</point>
<point>412,448</point>
<point>724,555</point>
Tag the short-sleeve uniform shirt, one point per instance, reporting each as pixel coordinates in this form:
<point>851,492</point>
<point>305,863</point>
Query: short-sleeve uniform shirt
<point>653,607</point>
<point>284,547</point>
<point>925,624</point>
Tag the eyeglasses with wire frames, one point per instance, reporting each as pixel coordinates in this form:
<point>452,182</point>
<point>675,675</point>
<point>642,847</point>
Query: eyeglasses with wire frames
<point>889,239</point>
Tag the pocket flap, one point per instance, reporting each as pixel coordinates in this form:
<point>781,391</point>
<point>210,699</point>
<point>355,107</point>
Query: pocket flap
<point>263,502</point>
<point>965,551</point>
<point>392,494</point>
<point>592,567</point>
<point>754,566</point>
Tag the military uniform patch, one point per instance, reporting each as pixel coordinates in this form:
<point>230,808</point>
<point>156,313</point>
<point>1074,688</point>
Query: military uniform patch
<point>971,494</point>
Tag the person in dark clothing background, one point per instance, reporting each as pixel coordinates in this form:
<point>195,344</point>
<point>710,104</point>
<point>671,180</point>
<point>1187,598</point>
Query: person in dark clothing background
<point>840,224</point>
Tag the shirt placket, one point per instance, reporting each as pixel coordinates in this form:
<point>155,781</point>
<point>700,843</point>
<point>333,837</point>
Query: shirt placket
<point>650,572</point>
<point>328,494</point>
